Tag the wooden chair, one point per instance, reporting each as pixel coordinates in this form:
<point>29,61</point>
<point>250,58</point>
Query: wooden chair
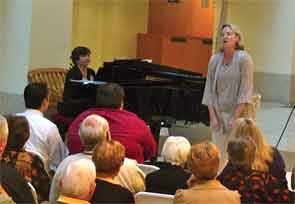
<point>54,78</point>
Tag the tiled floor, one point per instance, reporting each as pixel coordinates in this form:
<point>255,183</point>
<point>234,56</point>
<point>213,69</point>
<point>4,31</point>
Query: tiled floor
<point>271,118</point>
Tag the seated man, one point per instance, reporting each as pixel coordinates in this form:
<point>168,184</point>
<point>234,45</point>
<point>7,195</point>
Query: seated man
<point>44,136</point>
<point>77,183</point>
<point>12,183</point>
<point>125,126</point>
<point>94,129</point>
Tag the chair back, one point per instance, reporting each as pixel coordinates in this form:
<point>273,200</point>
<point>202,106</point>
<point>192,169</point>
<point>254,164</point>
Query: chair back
<point>54,78</point>
<point>34,193</point>
<point>147,169</point>
<point>289,180</point>
<point>44,161</point>
<point>153,198</point>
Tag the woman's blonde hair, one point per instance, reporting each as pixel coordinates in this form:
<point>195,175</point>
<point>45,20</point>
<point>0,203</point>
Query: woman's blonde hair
<point>245,127</point>
<point>240,45</point>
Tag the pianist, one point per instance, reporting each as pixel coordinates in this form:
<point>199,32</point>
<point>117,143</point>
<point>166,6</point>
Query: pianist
<point>80,70</point>
<point>125,127</point>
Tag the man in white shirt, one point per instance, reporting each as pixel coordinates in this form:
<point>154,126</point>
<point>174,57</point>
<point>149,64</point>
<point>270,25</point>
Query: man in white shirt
<point>44,139</point>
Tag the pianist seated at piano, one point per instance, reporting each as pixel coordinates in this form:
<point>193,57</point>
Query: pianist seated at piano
<point>125,127</point>
<point>74,94</point>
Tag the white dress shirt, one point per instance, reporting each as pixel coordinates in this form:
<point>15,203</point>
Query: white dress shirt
<point>44,139</point>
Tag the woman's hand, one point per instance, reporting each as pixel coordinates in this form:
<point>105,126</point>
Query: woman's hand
<point>215,123</point>
<point>213,118</point>
<point>231,123</point>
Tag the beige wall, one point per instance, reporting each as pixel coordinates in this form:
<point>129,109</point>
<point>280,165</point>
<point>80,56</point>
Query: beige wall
<point>109,27</point>
<point>51,33</point>
<point>268,29</point>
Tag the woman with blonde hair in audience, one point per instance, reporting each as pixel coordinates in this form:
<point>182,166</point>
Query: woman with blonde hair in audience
<point>171,175</point>
<point>108,157</point>
<point>254,186</point>
<point>267,158</point>
<point>203,161</point>
<point>29,165</point>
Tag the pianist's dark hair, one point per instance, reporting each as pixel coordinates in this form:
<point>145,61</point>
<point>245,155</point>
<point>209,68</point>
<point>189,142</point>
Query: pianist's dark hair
<point>79,51</point>
<point>110,95</point>
<point>34,94</point>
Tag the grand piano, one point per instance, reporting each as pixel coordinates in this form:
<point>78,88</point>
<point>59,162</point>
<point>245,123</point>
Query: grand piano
<point>158,94</point>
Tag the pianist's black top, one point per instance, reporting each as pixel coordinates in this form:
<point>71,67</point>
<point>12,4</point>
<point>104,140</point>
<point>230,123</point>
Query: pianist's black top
<point>72,90</point>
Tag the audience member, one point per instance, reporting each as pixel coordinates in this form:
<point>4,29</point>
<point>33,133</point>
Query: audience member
<point>30,166</point>
<point>12,183</point>
<point>203,161</point>
<point>44,136</point>
<point>77,183</point>
<point>171,175</point>
<point>254,186</point>
<point>267,158</point>
<point>108,157</point>
<point>4,197</point>
<point>125,126</point>
<point>95,129</point>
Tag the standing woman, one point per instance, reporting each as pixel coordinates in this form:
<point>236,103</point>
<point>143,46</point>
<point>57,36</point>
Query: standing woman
<point>229,86</point>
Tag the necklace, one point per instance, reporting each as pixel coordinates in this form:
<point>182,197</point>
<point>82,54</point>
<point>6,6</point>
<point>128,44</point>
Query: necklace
<point>83,72</point>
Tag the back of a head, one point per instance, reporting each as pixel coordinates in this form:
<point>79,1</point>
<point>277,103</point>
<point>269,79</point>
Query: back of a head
<point>110,95</point>
<point>246,127</point>
<point>175,150</point>
<point>241,151</point>
<point>19,132</point>
<point>108,157</point>
<point>93,129</point>
<point>3,133</point>
<point>78,179</point>
<point>203,160</point>
<point>34,94</point>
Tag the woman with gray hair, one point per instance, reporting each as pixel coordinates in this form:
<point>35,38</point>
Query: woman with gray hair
<point>77,183</point>
<point>229,86</point>
<point>203,161</point>
<point>171,175</point>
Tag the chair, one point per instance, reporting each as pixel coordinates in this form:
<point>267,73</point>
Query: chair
<point>34,193</point>
<point>54,78</point>
<point>147,169</point>
<point>44,161</point>
<point>153,198</point>
<point>288,178</point>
